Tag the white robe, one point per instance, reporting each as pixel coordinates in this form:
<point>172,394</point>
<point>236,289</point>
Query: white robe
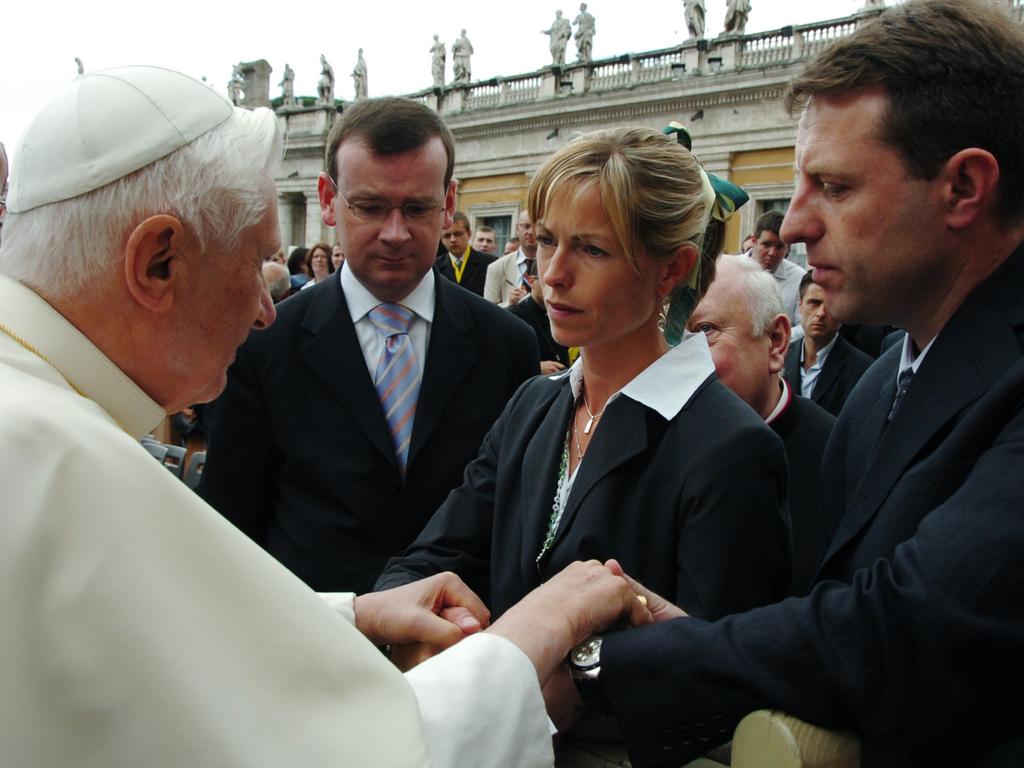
<point>142,629</point>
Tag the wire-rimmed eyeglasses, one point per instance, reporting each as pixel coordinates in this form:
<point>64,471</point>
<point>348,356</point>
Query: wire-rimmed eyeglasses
<point>378,211</point>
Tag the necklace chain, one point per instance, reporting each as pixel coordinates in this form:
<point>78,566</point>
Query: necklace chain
<point>593,416</point>
<point>576,434</point>
<point>561,491</point>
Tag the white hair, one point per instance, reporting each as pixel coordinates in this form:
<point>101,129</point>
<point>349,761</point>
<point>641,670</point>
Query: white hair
<point>216,185</point>
<point>764,301</point>
<point>278,279</point>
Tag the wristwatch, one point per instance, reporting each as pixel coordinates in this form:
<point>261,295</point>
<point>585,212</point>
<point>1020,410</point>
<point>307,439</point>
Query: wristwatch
<point>585,670</point>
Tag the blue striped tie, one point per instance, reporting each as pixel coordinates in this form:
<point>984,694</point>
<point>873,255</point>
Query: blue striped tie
<point>398,376</point>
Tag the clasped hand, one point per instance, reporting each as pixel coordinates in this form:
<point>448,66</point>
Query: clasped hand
<point>421,619</point>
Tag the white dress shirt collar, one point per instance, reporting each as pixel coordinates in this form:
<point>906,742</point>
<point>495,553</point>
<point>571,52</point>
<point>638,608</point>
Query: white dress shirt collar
<point>822,356</point>
<point>360,301</point>
<point>908,359</point>
<point>667,384</point>
<point>785,395</point>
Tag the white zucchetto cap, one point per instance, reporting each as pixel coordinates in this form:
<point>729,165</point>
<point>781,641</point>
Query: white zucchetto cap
<point>106,125</point>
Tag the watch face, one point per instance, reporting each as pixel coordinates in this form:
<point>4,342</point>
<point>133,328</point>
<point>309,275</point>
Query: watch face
<point>587,653</point>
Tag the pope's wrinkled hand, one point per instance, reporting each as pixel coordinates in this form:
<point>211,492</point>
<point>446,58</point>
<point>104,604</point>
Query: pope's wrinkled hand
<point>582,600</point>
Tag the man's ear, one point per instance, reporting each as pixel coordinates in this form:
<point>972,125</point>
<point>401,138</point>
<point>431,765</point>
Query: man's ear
<point>971,180</point>
<point>152,261</point>
<point>778,338</point>
<point>449,203</point>
<point>326,191</point>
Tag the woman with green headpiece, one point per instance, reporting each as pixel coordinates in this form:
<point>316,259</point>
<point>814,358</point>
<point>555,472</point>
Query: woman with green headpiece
<point>637,452</point>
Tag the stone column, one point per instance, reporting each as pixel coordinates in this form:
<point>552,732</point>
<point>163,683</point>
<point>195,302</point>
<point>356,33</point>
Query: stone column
<point>550,83</point>
<point>580,79</point>
<point>316,230</point>
<point>284,220</point>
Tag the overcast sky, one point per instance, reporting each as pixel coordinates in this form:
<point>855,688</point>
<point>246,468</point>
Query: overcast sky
<point>39,41</point>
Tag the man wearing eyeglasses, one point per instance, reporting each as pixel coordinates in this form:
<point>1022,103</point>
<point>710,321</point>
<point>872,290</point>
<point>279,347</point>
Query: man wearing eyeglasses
<point>345,425</point>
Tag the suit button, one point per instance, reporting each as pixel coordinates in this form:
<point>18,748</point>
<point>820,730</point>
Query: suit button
<point>668,740</point>
<point>391,486</point>
<point>703,732</point>
<point>685,736</point>
<point>720,723</point>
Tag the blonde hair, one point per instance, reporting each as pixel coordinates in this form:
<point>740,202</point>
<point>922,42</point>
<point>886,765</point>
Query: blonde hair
<point>650,187</point>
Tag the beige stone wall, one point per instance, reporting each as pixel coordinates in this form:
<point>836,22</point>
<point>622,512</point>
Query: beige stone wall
<point>765,174</point>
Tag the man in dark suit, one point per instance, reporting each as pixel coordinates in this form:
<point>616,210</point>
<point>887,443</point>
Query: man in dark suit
<point>824,366</point>
<point>532,311</point>
<point>302,457</point>
<point>745,321</point>
<point>461,263</point>
<point>910,199</point>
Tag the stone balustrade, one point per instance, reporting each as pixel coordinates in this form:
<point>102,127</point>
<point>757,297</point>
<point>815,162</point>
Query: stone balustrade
<point>726,54</point>
<point>695,58</point>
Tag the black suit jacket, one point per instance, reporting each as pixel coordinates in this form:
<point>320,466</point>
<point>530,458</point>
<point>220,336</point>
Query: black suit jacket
<point>913,634</point>
<point>661,496</point>
<point>473,276</point>
<point>867,338</point>
<point>299,453</point>
<point>804,428</point>
<point>533,314</point>
<point>843,368</point>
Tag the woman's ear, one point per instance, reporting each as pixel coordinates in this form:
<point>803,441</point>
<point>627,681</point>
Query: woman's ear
<point>677,269</point>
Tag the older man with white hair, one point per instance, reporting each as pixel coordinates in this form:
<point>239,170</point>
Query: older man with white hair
<point>744,318</point>
<point>141,628</point>
<point>278,280</point>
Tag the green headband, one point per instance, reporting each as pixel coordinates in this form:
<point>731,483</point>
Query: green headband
<point>728,197</point>
<point>721,200</point>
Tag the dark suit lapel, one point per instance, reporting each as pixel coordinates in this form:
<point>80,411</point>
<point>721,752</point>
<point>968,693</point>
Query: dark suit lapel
<point>333,354</point>
<point>621,436</point>
<point>976,347</point>
<point>479,264</point>
<point>792,367</point>
<point>831,371</point>
<point>450,356</point>
<point>444,266</point>
<point>539,477</point>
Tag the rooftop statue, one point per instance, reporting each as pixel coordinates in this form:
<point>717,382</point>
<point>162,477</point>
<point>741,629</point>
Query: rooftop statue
<point>584,35</point>
<point>461,51</point>
<point>560,32</point>
<point>437,62</point>
<point>325,88</point>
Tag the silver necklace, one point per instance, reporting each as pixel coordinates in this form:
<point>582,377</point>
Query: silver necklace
<point>593,416</point>
<point>576,434</point>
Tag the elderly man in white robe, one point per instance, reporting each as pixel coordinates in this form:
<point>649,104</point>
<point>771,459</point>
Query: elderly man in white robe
<point>141,628</point>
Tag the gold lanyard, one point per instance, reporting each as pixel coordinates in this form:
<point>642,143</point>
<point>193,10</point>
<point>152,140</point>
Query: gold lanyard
<point>460,268</point>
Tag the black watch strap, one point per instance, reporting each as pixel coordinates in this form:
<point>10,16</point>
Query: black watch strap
<point>585,669</point>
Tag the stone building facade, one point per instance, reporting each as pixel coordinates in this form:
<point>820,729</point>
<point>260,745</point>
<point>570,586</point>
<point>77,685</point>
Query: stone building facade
<point>727,91</point>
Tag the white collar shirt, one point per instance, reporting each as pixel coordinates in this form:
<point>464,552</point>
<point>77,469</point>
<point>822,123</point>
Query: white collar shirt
<point>809,376</point>
<point>360,301</point>
<point>667,384</point>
